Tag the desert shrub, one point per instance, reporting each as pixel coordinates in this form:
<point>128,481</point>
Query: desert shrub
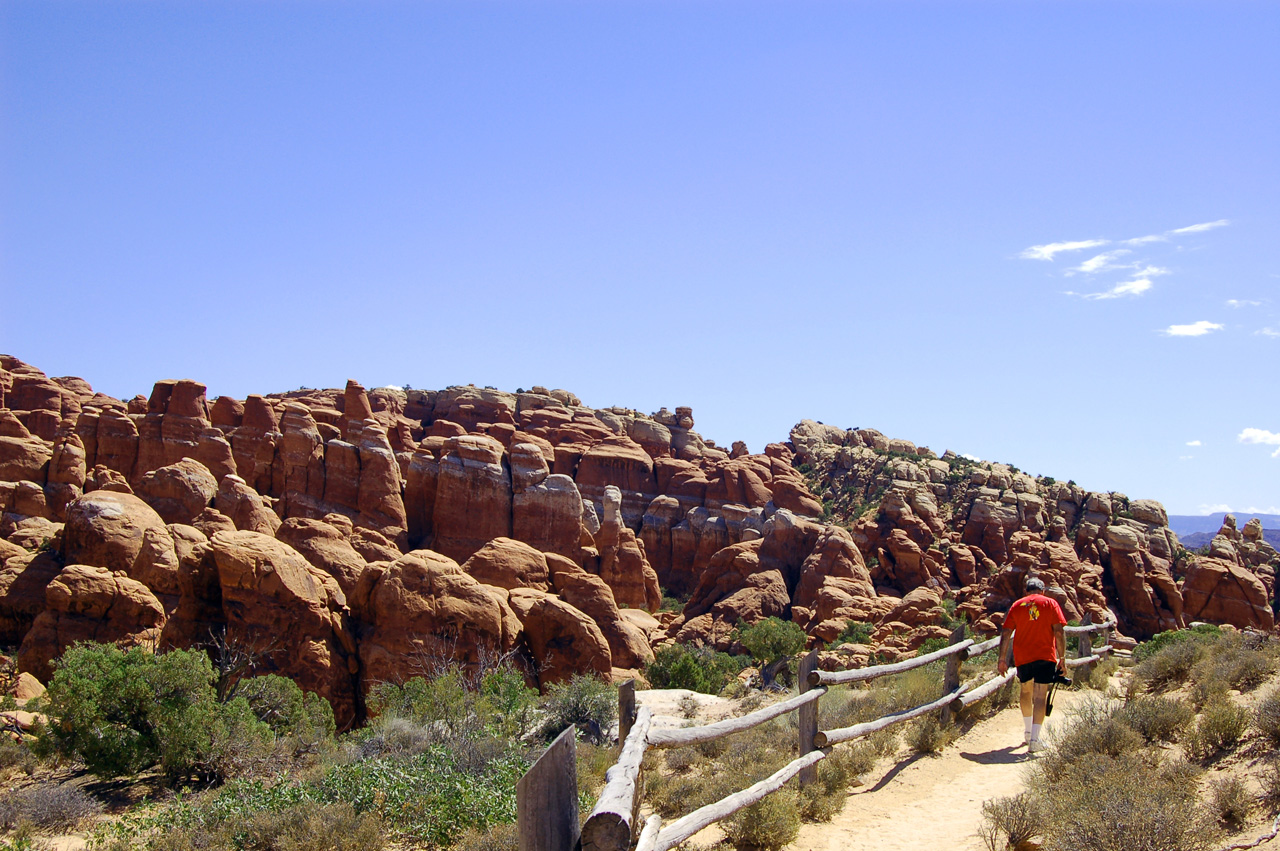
<point>1230,801</point>
<point>49,807</point>
<point>689,707</point>
<point>506,701</point>
<point>1219,728</point>
<point>1010,822</point>
<point>1236,661</point>
<point>593,762</point>
<point>442,700</point>
<point>1269,779</point>
<point>124,711</point>
<point>296,827</point>
<point>499,837</point>
<point>15,756</point>
<point>822,800</point>
<point>682,759</point>
<point>1267,719</point>
<point>286,709</point>
<point>1117,804</point>
<point>927,735</point>
<point>1093,731</point>
<point>1157,719</point>
<point>856,632</point>
<point>1096,676</point>
<point>1170,666</point>
<point>582,702</point>
<point>860,758</point>
<point>698,669</point>
<point>767,825</point>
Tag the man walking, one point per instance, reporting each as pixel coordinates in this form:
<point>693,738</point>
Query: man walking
<point>1036,626</point>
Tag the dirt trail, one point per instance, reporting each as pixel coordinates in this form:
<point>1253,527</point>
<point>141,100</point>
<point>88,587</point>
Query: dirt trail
<point>925,803</point>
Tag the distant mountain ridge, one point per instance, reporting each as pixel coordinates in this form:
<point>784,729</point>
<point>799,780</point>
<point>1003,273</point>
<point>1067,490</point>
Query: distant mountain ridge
<point>1189,524</point>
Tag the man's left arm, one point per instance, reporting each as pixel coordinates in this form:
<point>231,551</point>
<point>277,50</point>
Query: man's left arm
<point>1060,636</point>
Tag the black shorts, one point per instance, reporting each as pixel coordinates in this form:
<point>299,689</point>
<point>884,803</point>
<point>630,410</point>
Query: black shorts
<point>1042,671</point>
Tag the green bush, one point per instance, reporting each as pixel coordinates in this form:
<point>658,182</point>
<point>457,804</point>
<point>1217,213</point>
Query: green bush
<point>583,702</point>
<point>123,711</point>
<point>856,632</point>
<point>771,642</point>
<point>1171,665</point>
<point>767,825</point>
<point>1202,633</point>
<point>699,669</point>
<point>927,735</point>
<point>286,709</point>
<point>15,756</point>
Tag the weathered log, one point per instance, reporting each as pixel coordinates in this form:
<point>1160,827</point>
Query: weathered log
<point>609,828</point>
<point>649,835</point>
<point>845,734</point>
<point>951,676</point>
<point>626,708</point>
<point>807,717</point>
<point>979,649</point>
<point>1095,627</point>
<point>1098,653</point>
<point>707,732</point>
<point>681,829</point>
<point>987,689</point>
<point>862,674</point>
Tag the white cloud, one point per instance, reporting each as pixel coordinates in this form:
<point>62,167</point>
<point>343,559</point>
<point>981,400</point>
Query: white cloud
<point>1195,329</point>
<point>1260,435</point>
<point>1221,507</point>
<point>1203,226</point>
<point>1193,443</point>
<point>1238,303</point>
<point>1146,240</point>
<point>970,457</point>
<point>1101,262</point>
<point>1185,457</point>
<point>1046,252</point>
<point>1255,510</point>
<point>1268,332</point>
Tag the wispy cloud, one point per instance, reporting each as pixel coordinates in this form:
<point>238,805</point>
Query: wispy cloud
<point>1215,508</point>
<point>1193,443</point>
<point>1145,240</point>
<point>1267,332</point>
<point>1238,303</point>
<point>1195,329</point>
<point>1101,262</point>
<point>1202,227</point>
<point>1262,436</point>
<point>1047,252</point>
<point>1136,286</point>
<point>1255,510</point>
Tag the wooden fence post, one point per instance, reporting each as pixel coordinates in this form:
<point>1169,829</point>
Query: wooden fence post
<point>547,799</point>
<point>626,709</point>
<point>951,676</point>
<point>1084,644</point>
<point>808,716</point>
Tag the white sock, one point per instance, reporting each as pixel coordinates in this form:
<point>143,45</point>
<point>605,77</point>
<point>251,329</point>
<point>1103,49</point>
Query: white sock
<point>1035,732</point>
<point>1026,724</point>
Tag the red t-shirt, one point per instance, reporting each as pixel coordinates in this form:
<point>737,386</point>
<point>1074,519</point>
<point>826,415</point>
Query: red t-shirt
<point>1033,618</point>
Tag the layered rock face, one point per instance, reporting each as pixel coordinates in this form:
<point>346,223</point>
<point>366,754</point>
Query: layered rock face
<point>349,537</point>
<point>972,531</point>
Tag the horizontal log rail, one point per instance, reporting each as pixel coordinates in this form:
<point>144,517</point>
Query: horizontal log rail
<point>846,734</point>
<point>1098,653</point>
<point>858,675</point>
<point>1090,627</point>
<point>988,688</point>
<point>719,729</point>
<point>979,649</point>
<point>681,829</point>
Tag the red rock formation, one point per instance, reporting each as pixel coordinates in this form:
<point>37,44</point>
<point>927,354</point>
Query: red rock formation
<point>506,563</point>
<point>563,639</point>
<point>178,492</point>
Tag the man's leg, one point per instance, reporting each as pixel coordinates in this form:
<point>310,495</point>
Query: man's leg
<point>1039,698</point>
<point>1026,700</point>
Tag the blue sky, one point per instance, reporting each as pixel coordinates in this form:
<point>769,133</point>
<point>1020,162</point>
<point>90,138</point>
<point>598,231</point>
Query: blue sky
<point>845,211</point>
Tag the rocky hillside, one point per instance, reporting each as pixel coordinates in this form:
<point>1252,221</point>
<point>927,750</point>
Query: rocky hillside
<point>347,537</point>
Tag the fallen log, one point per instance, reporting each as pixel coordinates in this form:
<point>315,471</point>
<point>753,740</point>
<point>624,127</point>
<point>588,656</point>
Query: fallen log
<point>707,732</point>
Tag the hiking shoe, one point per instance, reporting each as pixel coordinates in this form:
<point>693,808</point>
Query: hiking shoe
<point>1036,746</point>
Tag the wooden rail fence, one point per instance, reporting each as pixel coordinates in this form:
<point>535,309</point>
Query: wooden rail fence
<point>612,825</point>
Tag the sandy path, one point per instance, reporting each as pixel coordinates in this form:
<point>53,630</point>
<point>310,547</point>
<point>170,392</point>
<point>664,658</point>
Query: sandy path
<point>934,802</point>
